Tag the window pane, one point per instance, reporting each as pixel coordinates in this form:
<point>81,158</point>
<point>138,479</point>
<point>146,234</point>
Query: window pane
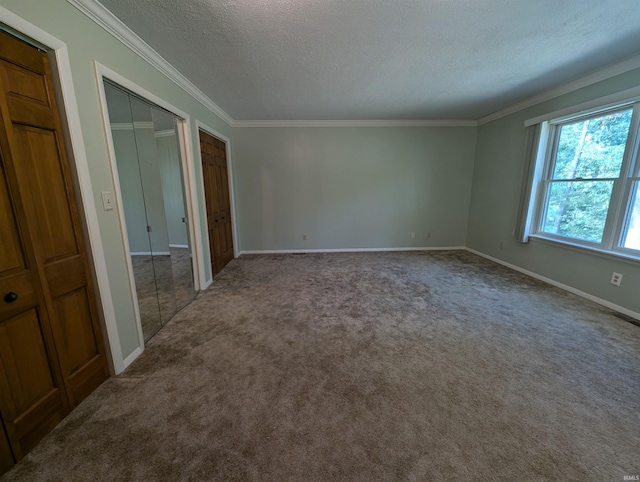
<point>592,148</point>
<point>578,209</point>
<point>631,238</point>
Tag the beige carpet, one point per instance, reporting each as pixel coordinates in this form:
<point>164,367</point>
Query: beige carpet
<point>365,367</point>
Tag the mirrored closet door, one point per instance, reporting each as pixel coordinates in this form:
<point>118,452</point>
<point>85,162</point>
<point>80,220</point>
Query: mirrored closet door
<point>153,199</point>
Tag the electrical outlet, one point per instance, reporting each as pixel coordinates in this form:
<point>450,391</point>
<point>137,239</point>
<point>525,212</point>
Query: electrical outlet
<point>304,237</point>
<point>429,234</point>
<point>616,279</point>
<point>413,234</point>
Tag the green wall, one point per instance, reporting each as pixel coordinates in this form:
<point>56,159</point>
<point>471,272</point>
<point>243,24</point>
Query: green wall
<point>352,187</point>
<point>495,195</point>
<point>87,42</point>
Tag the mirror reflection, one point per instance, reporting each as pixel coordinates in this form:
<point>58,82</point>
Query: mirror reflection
<point>153,199</point>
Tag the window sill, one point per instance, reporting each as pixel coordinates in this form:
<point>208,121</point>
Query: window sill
<point>612,255</point>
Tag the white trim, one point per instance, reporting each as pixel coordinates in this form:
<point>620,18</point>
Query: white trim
<point>131,358</point>
<point>106,72</point>
<point>600,104</point>
<point>349,250</point>
<point>557,284</point>
<point>183,246</point>
<point>150,253</point>
<point>121,126</point>
<point>80,159</point>
<point>129,126</point>
<point>124,238</point>
<point>356,123</point>
<point>207,284</point>
<point>112,24</point>
<point>611,255</point>
<point>589,79</point>
<point>200,126</point>
<point>165,133</point>
<point>193,208</point>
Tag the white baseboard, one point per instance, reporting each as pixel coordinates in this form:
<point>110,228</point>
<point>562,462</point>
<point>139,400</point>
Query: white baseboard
<point>348,250</point>
<point>557,284</point>
<point>184,246</point>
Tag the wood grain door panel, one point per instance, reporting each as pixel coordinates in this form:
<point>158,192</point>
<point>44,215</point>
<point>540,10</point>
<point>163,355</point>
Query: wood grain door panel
<point>218,203</point>
<point>42,178</point>
<point>51,350</point>
<point>25,360</point>
<point>83,359</point>
<point>37,401</point>
<point>6,457</point>
<point>32,395</point>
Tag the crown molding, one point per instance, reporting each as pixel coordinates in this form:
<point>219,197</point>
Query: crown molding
<point>104,18</point>
<point>128,126</point>
<point>356,123</point>
<point>108,21</point>
<point>589,79</point>
<point>166,133</point>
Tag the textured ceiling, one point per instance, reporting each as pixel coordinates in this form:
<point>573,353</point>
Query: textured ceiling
<point>381,59</point>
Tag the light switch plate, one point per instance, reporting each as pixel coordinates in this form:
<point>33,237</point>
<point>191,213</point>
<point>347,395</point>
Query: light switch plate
<point>107,200</point>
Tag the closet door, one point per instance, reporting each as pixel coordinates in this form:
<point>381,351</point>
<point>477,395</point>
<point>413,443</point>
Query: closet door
<point>216,190</point>
<point>32,395</point>
<point>6,457</point>
<point>133,202</point>
<point>151,185</point>
<point>51,349</point>
<point>160,255</point>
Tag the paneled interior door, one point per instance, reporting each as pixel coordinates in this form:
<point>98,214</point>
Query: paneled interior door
<point>216,189</point>
<point>51,350</point>
<point>6,457</point>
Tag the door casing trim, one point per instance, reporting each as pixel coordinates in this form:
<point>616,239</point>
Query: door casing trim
<point>184,136</point>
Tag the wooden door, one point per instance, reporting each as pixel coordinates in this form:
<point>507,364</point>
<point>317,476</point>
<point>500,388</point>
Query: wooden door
<point>216,190</point>
<point>6,457</point>
<point>32,396</point>
<point>51,350</point>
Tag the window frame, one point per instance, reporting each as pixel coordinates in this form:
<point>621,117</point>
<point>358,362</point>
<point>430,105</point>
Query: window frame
<point>619,210</point>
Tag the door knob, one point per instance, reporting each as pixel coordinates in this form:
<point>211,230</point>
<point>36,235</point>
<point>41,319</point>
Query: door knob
<point>10,297</point>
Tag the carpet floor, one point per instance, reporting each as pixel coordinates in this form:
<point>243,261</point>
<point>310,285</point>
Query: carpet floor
<point>418,366</point>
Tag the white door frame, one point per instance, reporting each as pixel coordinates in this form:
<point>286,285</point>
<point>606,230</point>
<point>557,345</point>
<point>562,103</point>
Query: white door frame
<point>184,141</point>
<point>200,126</point>
<point>78,159</point>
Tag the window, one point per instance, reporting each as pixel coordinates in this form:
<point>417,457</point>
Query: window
<point>588,188</point>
